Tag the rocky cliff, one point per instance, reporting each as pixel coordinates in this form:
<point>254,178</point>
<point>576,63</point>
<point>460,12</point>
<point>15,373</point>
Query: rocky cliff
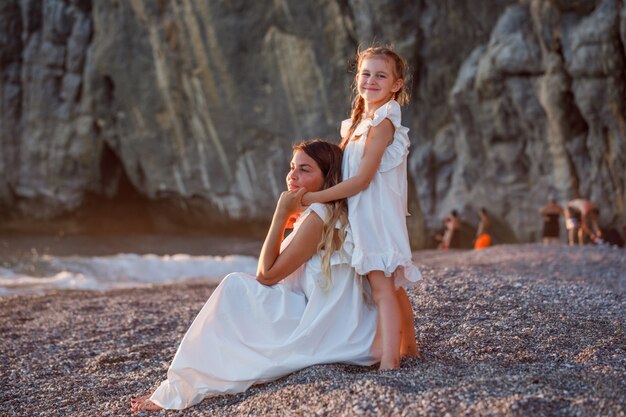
<point>190,106</point>
<point>539,109</point>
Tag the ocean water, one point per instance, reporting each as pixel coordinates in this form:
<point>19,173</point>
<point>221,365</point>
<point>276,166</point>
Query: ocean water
<point>39,264</point>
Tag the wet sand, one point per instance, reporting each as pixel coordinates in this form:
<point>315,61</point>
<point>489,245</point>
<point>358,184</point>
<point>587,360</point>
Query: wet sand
<point>520,330</point>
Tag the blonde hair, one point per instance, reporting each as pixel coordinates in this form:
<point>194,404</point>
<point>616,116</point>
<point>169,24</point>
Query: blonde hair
<point>399,67</point>
<point>328,157</point>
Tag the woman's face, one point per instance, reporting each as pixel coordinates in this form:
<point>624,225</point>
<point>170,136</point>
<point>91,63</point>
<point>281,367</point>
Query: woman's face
<point>304,173</point>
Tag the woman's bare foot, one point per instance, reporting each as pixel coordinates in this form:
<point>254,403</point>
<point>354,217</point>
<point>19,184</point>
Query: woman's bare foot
<point>136,400</point>
<point>143,403</point>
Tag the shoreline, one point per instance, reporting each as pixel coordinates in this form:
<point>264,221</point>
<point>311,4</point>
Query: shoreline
<point>25,245</point>
<point>514,330</point>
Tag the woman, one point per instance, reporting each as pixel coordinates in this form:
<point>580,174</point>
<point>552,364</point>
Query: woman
<point>306,305</point>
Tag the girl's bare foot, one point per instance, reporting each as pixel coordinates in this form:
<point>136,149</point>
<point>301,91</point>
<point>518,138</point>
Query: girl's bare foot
<point>385,365</point>
<point>408,345</point>
<point>410,352</point>
<point>143,403</point>
<point>409,348</point>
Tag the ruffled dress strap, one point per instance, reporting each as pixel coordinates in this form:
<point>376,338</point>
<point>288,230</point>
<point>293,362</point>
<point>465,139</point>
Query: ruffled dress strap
<point>397,151</point>
<point>345,128</point>
<point>319,209</point>
<point>344,254</point>
<point>390,110</point>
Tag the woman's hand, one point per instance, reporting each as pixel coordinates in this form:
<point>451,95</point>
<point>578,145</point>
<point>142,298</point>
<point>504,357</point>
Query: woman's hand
<point>290,202</point>
<point>273,266</point>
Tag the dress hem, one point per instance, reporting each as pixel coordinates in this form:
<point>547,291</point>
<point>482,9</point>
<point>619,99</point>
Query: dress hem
<point>392,264</point>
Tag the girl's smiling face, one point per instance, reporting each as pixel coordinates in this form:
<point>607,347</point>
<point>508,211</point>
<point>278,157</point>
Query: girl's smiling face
<point>376,81</point>
<point>304,173</point>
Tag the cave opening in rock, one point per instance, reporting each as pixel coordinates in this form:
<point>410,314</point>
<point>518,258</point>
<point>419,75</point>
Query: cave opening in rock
<point>117,206</point>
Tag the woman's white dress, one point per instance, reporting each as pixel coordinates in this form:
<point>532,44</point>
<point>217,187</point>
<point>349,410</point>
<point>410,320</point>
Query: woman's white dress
<point>249,333</point>
<point>377,215</point>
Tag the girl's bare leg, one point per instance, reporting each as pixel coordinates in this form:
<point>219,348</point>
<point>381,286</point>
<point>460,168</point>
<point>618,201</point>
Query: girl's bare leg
<point>377,346</point>
<point>408,346</point>
<point>384,295</point>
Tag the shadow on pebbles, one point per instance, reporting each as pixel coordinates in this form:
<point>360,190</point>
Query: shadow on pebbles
<point>520,330</point>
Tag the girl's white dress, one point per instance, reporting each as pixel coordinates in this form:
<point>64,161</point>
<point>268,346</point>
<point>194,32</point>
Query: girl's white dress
<point>377,215</point>
<point>248,333</point>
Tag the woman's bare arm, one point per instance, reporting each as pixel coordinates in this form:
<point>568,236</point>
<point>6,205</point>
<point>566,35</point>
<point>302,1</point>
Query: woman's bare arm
<point>275,266</point>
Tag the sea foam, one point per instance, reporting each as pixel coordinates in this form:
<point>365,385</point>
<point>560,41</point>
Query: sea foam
<point>119,271</point>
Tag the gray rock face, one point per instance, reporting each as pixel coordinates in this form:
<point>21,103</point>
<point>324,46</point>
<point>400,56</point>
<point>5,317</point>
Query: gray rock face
<point>49,152</point>
<point>194,105</point>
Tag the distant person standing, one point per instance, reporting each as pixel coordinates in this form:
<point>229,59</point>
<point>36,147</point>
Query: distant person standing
<point>451,238</point>
<point>585,221</point>
<point>551,214</point>
<point>440,235</point>
<point>572,224</point>
<point>483,238</point>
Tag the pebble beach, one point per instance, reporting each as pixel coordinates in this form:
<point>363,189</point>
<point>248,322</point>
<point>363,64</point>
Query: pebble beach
<point>513,330</point>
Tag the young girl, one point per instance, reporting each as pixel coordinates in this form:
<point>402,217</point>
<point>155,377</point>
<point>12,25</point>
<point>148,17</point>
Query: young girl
<point>375,180</point>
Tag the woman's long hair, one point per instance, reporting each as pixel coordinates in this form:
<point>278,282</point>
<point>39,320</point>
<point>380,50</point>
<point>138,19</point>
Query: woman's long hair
<point>328,157</point>
<point>399,67</point>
